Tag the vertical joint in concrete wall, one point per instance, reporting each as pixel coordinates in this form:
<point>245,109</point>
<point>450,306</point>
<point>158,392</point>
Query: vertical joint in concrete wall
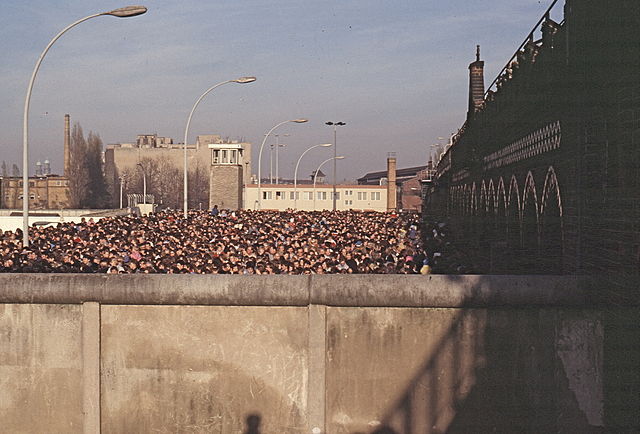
<point>317,368</point>
<point>91,367</point>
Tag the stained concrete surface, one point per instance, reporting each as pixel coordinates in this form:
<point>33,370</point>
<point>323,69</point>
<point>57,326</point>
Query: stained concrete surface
<point>40,368</point>
<point>203,369</point>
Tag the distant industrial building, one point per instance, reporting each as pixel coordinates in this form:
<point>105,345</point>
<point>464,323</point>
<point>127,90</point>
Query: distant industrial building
<point>348,197</point>
<point>125,156</point>
<point>407,183</point>
<point>46,190</point>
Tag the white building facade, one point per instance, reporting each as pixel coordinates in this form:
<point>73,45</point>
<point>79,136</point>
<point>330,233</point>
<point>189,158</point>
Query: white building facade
<point>306,198</point>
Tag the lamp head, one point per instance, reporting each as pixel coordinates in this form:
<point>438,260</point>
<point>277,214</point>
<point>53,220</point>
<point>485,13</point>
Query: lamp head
<point>300,121</point>
<point>340,157</point>
<point>243,80</point>
<point>127,11</point>
<point>328,123</point>
<point>340,123</point>
<point>326,145</point>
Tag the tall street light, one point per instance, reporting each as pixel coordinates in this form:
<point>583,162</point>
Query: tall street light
<point>278,146</point>
<point>127,11</point>
<point>335,149</point>
<point>144,183</point>
<point>315,176</point>
<point>241,80</point>
<point>295,173</point>
<point>297,121</point>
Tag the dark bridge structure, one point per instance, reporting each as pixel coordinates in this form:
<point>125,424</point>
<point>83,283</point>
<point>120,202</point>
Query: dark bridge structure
<point>544,175</point>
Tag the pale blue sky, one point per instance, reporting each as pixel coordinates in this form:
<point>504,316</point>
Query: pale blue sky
<point>394,71</point>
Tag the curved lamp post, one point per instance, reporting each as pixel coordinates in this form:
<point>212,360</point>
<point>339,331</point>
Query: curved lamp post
<point>240,80</point>
<point>315,176</point>
<point>295,173</point>
<point>297,121</point>
<point>127,11</point>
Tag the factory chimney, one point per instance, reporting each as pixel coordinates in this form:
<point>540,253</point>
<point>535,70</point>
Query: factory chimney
<point>476,84</point>
<point>392,201</point>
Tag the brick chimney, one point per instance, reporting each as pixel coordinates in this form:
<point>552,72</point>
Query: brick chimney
<point>476,84</point>
<point>67,144</point>
<point>392,202</point>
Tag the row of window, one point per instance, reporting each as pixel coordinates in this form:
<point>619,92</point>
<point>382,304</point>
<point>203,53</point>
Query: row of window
<point>320,195</point>
<point>227,156</point>
<point>57,183</point>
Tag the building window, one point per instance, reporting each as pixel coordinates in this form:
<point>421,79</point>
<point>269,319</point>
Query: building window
<point>216,156</point>
<point>375,195</point>
<point>234,157</point>
<point>279,195</point>
<point>362,195</point>
<point>348,202</point>
<point>308,195</point>
<point>337,195</point>
<point>266,195</point>
<point>322,195</point>
<point>294,195</point>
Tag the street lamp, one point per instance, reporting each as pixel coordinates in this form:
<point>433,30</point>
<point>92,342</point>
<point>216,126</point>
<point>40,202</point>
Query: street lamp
<point>297,121</point>
<point>335,149</point>
<point>128,11</point>
<point>122,178</point>
<point>278,146</point>
<point>315,176</point>
<point>241,80</point>
<point>295,173</point>
<point>144,183</point>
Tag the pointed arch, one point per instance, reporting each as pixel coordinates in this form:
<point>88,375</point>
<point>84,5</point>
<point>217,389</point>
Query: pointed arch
<point>530,227</point>
<point>551,191</point>
<point>484,202</point>
<point>552,224</point>
<point>473,203</point>
<point>514,216</point>
<point>491,195</point>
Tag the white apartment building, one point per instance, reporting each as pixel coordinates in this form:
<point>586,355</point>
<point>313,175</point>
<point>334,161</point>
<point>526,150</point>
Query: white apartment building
<point>306,198</point>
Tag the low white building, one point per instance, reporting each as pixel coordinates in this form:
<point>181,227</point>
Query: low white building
<point>283,196</point>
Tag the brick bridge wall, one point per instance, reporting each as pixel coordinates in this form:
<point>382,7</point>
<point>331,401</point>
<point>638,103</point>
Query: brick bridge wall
<point>545,177</point>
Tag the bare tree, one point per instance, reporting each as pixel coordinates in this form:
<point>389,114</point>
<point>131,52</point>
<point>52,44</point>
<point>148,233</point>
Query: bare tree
<point>198,183</point>
<point>5,169</point>
<point>98,196</point>
<point>15,170</point>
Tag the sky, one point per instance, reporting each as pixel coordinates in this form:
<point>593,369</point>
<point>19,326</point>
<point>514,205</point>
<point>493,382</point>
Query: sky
<point>396,72</point>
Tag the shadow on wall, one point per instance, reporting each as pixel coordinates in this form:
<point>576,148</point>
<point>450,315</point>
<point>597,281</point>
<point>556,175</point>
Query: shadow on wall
<point>253,424</point>
<point>507,369</point>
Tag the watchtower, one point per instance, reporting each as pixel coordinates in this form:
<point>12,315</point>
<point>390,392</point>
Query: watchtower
<point>226,174</point>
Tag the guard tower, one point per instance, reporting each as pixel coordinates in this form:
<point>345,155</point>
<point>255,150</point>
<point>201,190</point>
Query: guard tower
<point>226,174</point>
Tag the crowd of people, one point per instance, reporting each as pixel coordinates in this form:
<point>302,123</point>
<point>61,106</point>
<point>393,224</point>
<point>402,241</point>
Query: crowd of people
<point>227,242</point>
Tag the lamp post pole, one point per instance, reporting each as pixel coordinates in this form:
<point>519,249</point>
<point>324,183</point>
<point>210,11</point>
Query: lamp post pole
<point>295,173</point>
<point>128,11</point>
<point>278,145</point>
<point>315,176</point>
<point>335,150</point>
<point>144,183</point>
<point>240,80</point>
<point>121,182</point>
<point>297,121</point>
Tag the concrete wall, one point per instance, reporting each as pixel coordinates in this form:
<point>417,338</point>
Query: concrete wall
<point>292,354</point>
